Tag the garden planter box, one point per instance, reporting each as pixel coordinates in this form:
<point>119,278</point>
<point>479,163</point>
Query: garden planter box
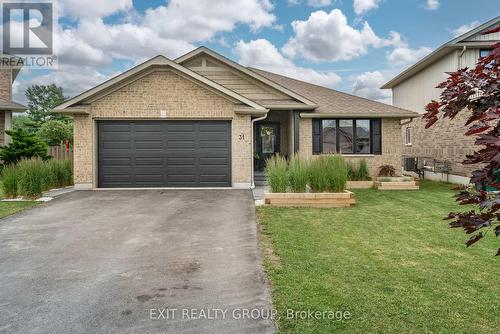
<point>311,200</point>
<point>360,184</point>
<point>397,183</point>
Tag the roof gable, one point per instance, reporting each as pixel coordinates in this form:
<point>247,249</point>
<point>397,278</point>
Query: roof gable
<point>473,37</point>
<point>137,71</point>
<point>192,59</point>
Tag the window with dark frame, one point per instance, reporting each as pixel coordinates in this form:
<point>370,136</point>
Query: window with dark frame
<point>345,136</point>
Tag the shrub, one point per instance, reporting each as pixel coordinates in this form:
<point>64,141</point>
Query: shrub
<point>351,172</point>
<point>58,173</point>
<point>24,145</point>
<point>337,170</point>
<point>318,174</point>
<point>297,174</point>
<point>386,170</point>
<point>54,131</point>
<point>363,172</point>
<point>9,181</point>
<point>31,177</point>
<point>276,174</point>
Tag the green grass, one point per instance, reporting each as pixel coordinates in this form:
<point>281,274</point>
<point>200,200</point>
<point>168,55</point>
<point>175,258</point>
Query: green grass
<point>9,208</point>
<point>391,262</point>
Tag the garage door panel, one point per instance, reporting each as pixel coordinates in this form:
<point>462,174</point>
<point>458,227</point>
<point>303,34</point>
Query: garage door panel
<point>213,126</point>
<point>209,144</point>
<point>116,144</point>
<point>149,178</point>
<point>184,161</point>
<point>164,153</point>
<point>210,179</point>
<point>117,127</point>
<point>148,144</point>
<point>181,144</point>
<point>220,161</point>
<point>148,128</point>
<point>181,126</point>
<point>149,161</point>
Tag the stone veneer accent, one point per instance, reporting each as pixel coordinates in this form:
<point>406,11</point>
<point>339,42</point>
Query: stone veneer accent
<point>5,85</point>
<point>391,145</point>
<point>444,141</point>
<point>2,128</point>
<point>145,98</point>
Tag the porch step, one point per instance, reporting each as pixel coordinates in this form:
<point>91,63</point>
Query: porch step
<point>260,178</point>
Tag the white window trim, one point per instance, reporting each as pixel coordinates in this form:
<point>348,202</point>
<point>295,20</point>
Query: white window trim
<point>408,143</point>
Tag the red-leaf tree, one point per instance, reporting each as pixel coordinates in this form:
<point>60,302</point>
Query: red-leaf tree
<point>476,91</point>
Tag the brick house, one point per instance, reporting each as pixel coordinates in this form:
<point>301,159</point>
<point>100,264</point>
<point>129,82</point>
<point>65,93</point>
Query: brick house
<point>7,106</point>
<point>443,144</point>
<point>206,121</point>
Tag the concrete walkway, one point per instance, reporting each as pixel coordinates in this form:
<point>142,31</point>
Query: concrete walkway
<point>134,262</point>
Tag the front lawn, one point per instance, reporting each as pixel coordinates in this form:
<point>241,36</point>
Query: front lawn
<point>9,208</point>
<point>391,262</point>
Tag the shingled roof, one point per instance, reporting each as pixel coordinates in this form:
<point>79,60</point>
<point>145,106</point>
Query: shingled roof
<point>335,103</point>
<point>11,106</point>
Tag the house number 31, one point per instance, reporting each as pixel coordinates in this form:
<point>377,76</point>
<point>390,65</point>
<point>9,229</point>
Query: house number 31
<point>242,136</point>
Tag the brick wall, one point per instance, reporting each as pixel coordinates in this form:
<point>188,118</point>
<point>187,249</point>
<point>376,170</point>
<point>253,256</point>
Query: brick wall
<point>145,98</point>
<point>5,85</point>
<point>2,128</point>
<point>444,141</point>
<point>391,145</point>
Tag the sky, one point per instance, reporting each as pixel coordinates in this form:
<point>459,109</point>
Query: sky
<point>353,46</point>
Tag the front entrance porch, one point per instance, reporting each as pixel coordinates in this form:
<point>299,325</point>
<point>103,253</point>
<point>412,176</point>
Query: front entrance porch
<point>273,135</point>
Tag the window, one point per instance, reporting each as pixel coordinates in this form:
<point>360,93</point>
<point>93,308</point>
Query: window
<point>329,136</point>
<point>346,136</point>
<point>363,136</point>
<point>408,136</point>
<point>484,52</point>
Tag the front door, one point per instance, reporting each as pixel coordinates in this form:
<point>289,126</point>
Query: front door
<point>268,142</point>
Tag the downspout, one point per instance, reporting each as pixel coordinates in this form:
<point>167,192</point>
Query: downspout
<point>407,122</point>
<point>253,148</point>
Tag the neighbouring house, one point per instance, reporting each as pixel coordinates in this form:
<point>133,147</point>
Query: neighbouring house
<point>206,121</point>
<point>7,106</point>
<point>441,148</point>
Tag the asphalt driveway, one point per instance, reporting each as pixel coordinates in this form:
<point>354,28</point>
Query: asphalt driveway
<point>144,261</point>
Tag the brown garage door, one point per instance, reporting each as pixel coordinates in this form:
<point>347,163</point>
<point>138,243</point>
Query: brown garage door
<point>139,154</point>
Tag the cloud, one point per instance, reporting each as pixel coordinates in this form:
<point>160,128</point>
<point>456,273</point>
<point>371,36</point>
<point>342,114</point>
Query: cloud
<point>404,55</point>
<point>364,6</point>
<point>432,5</point>
<point>262,54</point>
<point>368,85</point>
<point>73,79</point>
<point>170,30</point>
<point>130,41</point>
<point>465,28</point>
<point>312,3</point>
<point>194,20</point>
<point>328,37</point>
<point>319,3</point>
<point>83,9</point>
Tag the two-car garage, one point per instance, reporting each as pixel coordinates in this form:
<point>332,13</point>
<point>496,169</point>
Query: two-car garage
<point>141,154</point>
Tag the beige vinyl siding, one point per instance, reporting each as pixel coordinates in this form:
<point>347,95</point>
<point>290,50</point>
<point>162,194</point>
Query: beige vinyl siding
<point>242,84</point>
<point>415,92</point>
<point>479,37</point>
